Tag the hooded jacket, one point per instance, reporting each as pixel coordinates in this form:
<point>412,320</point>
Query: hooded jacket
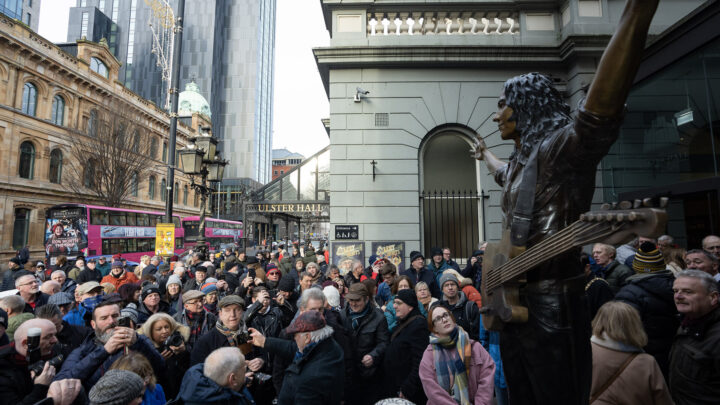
<point>402,359</point>
<point>196,389</point>
<point>125,278</point>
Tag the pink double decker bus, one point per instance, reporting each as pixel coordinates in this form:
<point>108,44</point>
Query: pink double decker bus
<point>218,232</point>
<point>90,230</point>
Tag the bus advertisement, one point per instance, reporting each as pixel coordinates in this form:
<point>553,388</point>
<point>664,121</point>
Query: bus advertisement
<point>218,232</point>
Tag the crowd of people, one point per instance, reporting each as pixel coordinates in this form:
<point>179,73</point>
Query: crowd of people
<point>286,326</point>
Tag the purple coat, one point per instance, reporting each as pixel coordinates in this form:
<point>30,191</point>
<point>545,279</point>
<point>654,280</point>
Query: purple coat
<point>481,381</point>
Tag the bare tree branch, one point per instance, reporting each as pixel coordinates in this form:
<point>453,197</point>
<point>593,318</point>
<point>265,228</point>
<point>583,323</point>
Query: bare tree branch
<point>109,156</point>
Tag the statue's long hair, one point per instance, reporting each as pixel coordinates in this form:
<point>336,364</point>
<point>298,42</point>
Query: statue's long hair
<point>538,108</point>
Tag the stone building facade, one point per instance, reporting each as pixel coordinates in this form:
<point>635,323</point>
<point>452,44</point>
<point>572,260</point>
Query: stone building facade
<point>48,96</point>
<point>410,83</point>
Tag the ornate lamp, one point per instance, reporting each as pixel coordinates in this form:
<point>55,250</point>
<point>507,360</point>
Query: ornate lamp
<point>191,159</point>
<point>207,143</point>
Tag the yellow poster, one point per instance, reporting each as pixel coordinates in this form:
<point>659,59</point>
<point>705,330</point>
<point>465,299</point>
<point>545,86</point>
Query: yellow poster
<point>165,239</point>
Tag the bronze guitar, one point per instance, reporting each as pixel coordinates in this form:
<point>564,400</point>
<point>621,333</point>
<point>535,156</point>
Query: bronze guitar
<point>505,265</point>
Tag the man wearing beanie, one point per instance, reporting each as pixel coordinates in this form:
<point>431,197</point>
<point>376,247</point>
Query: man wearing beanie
<point>437,264</point>
<point>418,272</point>
<point>407,344</point>
<point>119,276</point>
<point>650,291</point>
<point>197,282</point>
<point>118,387</point>
<point>150,303</point>
<point>465,311</point>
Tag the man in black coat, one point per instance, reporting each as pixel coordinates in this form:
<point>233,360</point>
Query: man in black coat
<point>407,344</point>
<point>90,273</point>
<point>418,272</point>
<point>29,289</point>
<point>316,374</point>
<point>650,291</point>
<point>69,337</point>
<point>368,332</point>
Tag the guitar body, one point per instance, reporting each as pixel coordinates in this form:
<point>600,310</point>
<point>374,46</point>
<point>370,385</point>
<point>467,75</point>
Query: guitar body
<point>501,304</point>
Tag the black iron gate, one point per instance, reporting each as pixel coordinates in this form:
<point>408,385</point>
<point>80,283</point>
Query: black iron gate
<point>451,219</point>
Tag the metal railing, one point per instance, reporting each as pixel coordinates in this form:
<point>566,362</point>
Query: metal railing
<point>451,219</point>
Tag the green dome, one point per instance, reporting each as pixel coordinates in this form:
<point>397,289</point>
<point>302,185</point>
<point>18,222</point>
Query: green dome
<point>191,101</point>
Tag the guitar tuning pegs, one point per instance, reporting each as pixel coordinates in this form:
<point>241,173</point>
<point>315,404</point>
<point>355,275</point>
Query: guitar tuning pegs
<point>606,207</point>
<point>632,216</point>
<point>637,203</point>
<point>609,217</point>
<point>625,205</point>
<point>615,205</point>
<point>620,217</point>
<point>647,202</point>
<point>664,202</point>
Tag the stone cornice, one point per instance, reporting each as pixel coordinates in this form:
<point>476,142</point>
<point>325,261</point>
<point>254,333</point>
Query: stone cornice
<point>455,56</point>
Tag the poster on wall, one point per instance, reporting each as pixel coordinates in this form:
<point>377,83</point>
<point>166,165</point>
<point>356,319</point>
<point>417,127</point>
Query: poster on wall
<point>393,251</point>
<point>343,254</point>
<point>66,232</point>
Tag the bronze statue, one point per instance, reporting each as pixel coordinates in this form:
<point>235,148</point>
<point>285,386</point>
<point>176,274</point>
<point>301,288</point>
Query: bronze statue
<point>547,184</point>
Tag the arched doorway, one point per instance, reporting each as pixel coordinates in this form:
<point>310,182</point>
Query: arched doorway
<point>450,205</point>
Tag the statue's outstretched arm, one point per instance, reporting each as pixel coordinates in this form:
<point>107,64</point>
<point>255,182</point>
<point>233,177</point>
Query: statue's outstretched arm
<point>619,63</point>
<point>481,152</point>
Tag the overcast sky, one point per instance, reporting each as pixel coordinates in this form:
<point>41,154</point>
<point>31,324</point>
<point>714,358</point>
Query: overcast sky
<point>300,101</point>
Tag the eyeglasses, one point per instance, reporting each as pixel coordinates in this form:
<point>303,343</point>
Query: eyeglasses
<point>29,283</point>
<point>194,303</point>
<point>443,317</point>
<point>273,273</point>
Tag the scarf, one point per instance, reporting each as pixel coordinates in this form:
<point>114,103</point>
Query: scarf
<point>230,335</point>
<point>195,323</point>
<point>356,316</point>
<point>452,363</point>
<point>212,308</point>
<point>299,355</point>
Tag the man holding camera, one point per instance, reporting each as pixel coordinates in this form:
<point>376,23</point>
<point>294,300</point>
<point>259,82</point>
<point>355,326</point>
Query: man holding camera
<point>101,348</point>
<point>27,370</point>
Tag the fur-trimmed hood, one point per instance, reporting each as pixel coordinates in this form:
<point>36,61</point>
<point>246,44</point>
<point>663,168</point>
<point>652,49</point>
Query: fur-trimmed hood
<point>146,328</point>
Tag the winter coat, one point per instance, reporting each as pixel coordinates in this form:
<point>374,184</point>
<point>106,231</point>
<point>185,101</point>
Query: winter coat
<point>9,277</point>
<point>616,275</point>
<point>125,278</point>
<point>598,292</point>
<point>402,358</point>
<point>427,276</point>
<point>90,361</point>
<point>196,389</point>
<point>40,299</point>
<point>641,382</point>
<point>71,337</point>
<point>211,341</point>
<point>16,387</point>
<point>149,269</point>
<point>695,362</point>
<point>69,286</point>
<point>89,274</point>
<point>480,380</point>
<point>453,265</point>
<point>371,337</point>
<point>208,324</point>
<point>652,295</point>
<point>466,313</point>
<point>104,268</point>
<point>318,377</point>
<point>15,322</point>
<point>144,313</point>
<point>437,271</point>
<point>176,365</point>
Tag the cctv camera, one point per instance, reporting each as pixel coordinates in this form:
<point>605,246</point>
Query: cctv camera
<point>361,91</point>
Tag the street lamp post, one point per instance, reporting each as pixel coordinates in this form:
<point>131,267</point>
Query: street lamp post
<point>200,158</point>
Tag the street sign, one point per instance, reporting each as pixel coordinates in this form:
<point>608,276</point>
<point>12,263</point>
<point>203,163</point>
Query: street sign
<point>165,239</point>
<point>346,232</point>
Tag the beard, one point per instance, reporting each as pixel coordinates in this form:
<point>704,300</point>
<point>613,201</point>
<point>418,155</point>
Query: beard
<point>104,335</point>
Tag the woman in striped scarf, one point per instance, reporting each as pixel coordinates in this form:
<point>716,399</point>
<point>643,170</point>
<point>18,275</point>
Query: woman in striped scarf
<point>455,369</point>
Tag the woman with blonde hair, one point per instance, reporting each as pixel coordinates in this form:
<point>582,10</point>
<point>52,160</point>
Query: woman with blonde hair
<point>423,295</point>
<point>144,261</point>
<point>169,338</point>
<point>622,373</point>
<point>139,364</point>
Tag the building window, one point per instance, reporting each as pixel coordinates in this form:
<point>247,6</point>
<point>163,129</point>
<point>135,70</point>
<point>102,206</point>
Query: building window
<point>89,174</point>
<point>28,19</point>
<point>27,160</point>
<point>116,5</point>
<point>83,3</point>
<point>29,99</point>
<point>163,190</point>
<point>92,123</point>
<point>176,193</point>
<point>97,66</point>
<point>136,141</point>
<point>21,228</point>
<point>165,152</point>
<point>84,25</point>
<point>101,6</point>
<point>185,194</point>
<point>153,147</point>
<point>56,161</point>
<point>134,186</point>
<point>195,199</point>
<point>58,110</point>
<point>131,32</point>
<point>151,188</point>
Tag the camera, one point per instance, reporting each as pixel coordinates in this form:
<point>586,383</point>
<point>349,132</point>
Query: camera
<point>125,322</point>
<point>34,353</point>
<point>174,340</point>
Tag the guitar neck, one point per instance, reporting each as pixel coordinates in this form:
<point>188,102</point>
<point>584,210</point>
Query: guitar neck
<point>577,234</point>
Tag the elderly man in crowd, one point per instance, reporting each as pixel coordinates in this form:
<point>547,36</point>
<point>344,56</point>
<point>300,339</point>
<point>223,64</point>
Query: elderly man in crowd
<point>119,276</point>
<point>101,348</point>
<point>195,317</point>
<point>711,244</point>
<point>29,289</point>
<point>14,307</point>
<point>694,372</point>
<point>316,374</point>
<point>66,284</point>
<point>418,272</point>
<point>90,273</point>
<point>219,380</point>
<point>703,260</point>
<point>228,331</point>
<point>50,287</point>
<point>69,337</point>
<point>615,273</point>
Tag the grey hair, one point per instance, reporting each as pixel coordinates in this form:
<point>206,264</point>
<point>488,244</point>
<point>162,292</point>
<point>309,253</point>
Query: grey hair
<point>355,262</point>
<point>312,264</point>
<point>48,311</point>
<point>58,271</point>
<point>321,334</point>
<point>158,258</point>
<point>221,362</point>
<point>609,249</point>
<point>711,286</point>
<point>18,282</point>
<point>666,238</point>
<point>311,294</point>
<point>15,302</point>
<point>421,284</point>
<point>707,254</point>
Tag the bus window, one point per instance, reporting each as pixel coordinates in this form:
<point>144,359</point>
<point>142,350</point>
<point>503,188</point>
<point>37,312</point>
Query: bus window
<point>130,218</point>
<point>176,221</point>
<point>142,220</point>
<point>153,220</point>
<point>178,243</point>
<point>117,218</point>
<point>132,246</point>
<point>99,217</point>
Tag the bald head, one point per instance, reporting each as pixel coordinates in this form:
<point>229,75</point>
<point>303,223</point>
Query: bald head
<point>47,336</point>
<point>226,366</point>
<point>50,287</point>
<point>711,244</point>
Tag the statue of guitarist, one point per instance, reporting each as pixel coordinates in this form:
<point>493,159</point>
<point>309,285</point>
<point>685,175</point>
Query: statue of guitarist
<point>548,182</point>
